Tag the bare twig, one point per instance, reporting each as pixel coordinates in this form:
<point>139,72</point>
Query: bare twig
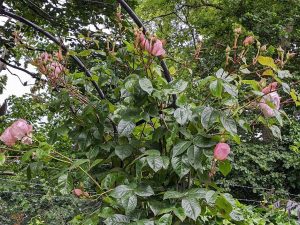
<point>21,69</point>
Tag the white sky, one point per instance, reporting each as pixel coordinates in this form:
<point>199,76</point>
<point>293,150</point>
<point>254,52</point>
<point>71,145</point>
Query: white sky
<point>14,86</point>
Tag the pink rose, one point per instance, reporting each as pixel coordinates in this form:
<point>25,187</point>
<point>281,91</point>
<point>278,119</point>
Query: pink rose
<point>45,57</point>
<point>157,48</point>
<point>221,151</point>
<point>248,41</point>
<point>19,130</point>
<point>27,140</point>
<point>273,98</point>
<point>56,69</point>
<point>270,88</point>
<point>7,138</point>
<point>153,47</point>
<point>144,43</point>
<point>77,192</point>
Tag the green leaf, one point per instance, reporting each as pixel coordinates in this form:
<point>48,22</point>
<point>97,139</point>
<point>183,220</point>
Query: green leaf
<point>191,208</point>
<point>197,193</point>
<point>181,147</point>
<point>125,128</point>
<point>225,167</point>
<point>123,151</point>
<point>155,162</point>
<point>144,222</point>
<point>166,162</point>
<point>179,85</point>
<point>203,142</point>
<point>172,195</point>
<point>159,207</point>
<point>231,89</point>
<point>210,197</point>
<point>110,179</point>
<point>121,191</point>
<point>254,84</point>
<point>172,70</point>
<point>284,74</point>
<point>117,219</point>
<point>146,85</point>
<point>129,203</point>
<point>286,88</point>
<point>65,184</point>
<point>216,88</point>
<point>194,155</point>
<point>179,166</point>
<point>237,216</point>
<point>276,131</point>
<point>152,152</point>
<point>96,162</point>
<point>223,204</point>
<point>2,158</point>
<point>229,124</point>
<point>245,70</point>
<point>181,100</point>
<point>78,162</point>
<point>221,73</point>
<point>42,153</point>
<point>182,114</point>
<point>86,52</point>
<point>144,191</point>
<point>106,212</point>
<point>267,61</point>
<point>179,212</point>
<point>278,117</point>
<point>207,117</point>
<point>165,220</point>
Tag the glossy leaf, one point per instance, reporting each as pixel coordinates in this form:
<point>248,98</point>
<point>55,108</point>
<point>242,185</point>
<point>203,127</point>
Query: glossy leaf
<point>191,208</point>
<point>225,167</point>
<point>155,162</point>
<point>125,128</point>
<point>229,124</point>
<point>146,85</point>
<point>181,147</point>
<point>165,220</point>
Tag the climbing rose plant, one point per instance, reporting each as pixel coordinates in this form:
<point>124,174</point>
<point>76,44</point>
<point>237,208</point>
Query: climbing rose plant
<point>152,148</point>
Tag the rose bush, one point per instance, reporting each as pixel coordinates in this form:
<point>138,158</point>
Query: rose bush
<point>150,146</point>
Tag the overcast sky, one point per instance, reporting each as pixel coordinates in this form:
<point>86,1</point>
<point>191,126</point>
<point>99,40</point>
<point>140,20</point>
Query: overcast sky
<point>14,86</point>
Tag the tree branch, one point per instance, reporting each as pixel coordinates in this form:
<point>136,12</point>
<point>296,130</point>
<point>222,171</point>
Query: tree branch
<point>56,41</point>
<point>33,75</point>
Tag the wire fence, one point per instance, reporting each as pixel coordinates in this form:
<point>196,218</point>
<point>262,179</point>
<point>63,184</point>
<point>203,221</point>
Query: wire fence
<point>261,189</point>
<point>35,185</point>
<point>39,192</point>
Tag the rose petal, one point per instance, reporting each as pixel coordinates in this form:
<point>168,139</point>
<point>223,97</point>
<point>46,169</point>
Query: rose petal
<point>221,151</point>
